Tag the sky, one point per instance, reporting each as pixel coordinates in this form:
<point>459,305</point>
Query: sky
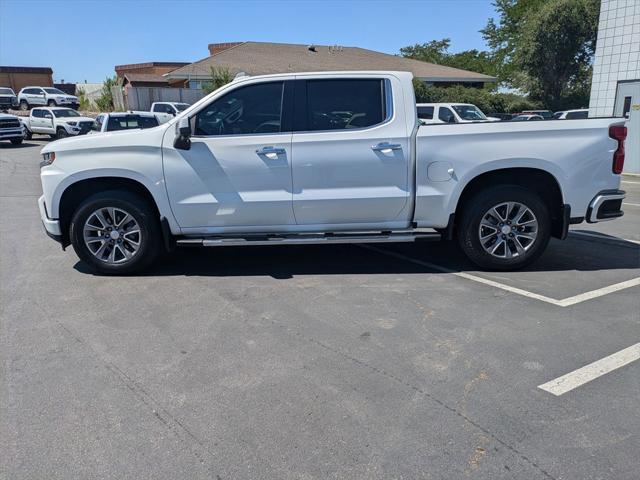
<point>84,39</point>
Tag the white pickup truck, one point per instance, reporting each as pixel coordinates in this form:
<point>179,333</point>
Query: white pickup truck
<point>57,122</point>
<point>165,111</point>
<point>327,158</point>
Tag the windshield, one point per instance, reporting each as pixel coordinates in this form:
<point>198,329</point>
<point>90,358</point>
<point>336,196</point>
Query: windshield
<point>6,91</point>
<point>55,91</point>
<point>181,106</point>
<point>65,113</point>
<point>469,112</point>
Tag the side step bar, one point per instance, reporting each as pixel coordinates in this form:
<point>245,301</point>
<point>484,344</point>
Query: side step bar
<point>309,239</point>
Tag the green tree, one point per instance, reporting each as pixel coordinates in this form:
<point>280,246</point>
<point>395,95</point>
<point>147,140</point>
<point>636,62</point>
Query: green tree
<point>555,52</point>
<point>437,51</point>
<point>105,101</point>
<point>219,78</point>
<point>545,47</point>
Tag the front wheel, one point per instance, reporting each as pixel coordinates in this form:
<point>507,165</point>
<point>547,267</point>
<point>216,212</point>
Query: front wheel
<point>24,106</point>
<point>504,228</point>
<point>115,232</point>
<point>16,141</point>
<point>52,103</point>
<point>61,133</point>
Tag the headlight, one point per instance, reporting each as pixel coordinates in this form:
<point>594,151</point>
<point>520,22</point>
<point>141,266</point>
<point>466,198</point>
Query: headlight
<point>72,123</point>
<point>47,159</point>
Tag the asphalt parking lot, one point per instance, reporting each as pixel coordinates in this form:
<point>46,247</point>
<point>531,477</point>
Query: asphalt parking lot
<point>394,361</point>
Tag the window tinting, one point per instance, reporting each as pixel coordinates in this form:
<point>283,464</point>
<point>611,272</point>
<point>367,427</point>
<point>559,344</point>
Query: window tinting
<point>129,122</point>
<point>246,110</point>
<point>342,104</point>
<point>577,115</point>
<point>36,112</point>
<point>446,115</point>
<point>425,113</point>
<point>33,91</point>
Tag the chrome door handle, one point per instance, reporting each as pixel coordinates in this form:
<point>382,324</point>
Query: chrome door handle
<point>271,151</point>
<point>386,147</point>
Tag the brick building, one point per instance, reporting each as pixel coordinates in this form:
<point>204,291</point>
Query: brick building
<point>19,77</point>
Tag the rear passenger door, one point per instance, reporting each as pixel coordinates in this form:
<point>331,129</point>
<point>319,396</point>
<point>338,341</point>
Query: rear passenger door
<point>350,152</point>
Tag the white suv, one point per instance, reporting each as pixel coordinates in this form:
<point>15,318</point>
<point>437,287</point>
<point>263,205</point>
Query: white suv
<point>45,96</point>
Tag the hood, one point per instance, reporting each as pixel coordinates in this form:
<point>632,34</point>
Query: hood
<point>124,140</point>
<point>8,116</point>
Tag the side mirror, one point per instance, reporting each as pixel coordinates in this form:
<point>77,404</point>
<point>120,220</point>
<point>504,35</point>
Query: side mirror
<point>183,135</point>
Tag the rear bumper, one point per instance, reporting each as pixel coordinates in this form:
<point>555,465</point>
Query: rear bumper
<point>606,205</point>
<point>52,227</point>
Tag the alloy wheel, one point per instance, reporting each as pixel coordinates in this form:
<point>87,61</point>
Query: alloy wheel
<point>112,235</point>
<point>508,230</point>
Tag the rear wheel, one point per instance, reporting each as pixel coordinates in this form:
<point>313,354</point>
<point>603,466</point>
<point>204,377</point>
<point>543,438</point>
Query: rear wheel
<point>115,232</point>
<point>504,228</point>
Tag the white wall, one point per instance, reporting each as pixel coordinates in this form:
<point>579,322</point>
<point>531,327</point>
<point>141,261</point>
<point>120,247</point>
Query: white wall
<point>617,53</point>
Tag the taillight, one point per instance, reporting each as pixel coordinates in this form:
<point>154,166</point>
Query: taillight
<point>619,133</point>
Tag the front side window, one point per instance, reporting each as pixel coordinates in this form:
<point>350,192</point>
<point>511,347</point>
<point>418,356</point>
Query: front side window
<point>425,113</point>
<point>254,109</point>
<point>343,104</point>
<point>181,107</point>
<point>469,112</point>
<point>446,115</point>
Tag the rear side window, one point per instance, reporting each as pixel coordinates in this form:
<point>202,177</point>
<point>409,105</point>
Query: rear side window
<point>161,108</point>
<point>577,115</point>
<point>425,113</point>
<point>36,112</point>
<point>131,121</point>
<point>32,91</point>
<point>344,104</point>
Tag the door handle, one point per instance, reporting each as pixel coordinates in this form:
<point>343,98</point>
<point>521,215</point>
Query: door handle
<point>271,151</point>
<point>386,147</point>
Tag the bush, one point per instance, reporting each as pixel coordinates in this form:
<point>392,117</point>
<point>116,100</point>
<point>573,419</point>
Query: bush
<point>485,100</point>
<point>105,101</point>
<point>219,78</point>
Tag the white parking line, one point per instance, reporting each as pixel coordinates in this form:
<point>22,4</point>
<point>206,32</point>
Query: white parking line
<point>631,204</point>
<point>627,181</point>
<point>565,302</point>
<point>592,371</point>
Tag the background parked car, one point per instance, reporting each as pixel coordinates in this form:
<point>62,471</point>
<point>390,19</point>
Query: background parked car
<point>11,129</point>
<point>451,113</point>
<point>545,114</point>
<point>45,96</point>
<point>115,121</point>
<point>502,116</point>
<point>526,118</point>
<point>8,98</point>
<point>165,111</point>
<point>572,114</point>
<point>56,122</point>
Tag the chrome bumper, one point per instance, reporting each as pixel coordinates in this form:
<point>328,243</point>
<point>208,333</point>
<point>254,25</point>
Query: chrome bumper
<point>606,205</point>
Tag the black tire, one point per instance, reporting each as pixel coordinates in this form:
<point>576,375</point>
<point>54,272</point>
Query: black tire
<point>24,105</point>
<point>143,213</point>
<point>16,141</point>
<point>61,133</point>
<point>469,227</point>
<point>27,134</point>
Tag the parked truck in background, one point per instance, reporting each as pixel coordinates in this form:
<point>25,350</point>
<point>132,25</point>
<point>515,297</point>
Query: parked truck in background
<point>11,129</point>
<point>56,122</point>
<point>165,111</point>
<point>8,99</point>
<point>327,158</point>
<point>451,113</point>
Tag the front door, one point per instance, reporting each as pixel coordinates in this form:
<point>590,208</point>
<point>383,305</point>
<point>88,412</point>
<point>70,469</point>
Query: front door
<point>350,153</point>
<point>628,105</point>
<point>237,173</point>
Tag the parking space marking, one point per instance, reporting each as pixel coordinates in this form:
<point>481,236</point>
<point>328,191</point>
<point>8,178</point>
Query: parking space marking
<point>627,181</point>
<point>631,204</point>
<point>590,372</point>
<point>565,302</point>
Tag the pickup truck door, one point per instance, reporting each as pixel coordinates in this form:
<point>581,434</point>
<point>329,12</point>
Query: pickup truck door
<point>351,152</point>
<point>237,172</point>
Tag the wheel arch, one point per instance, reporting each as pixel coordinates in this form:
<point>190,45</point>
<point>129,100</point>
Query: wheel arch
<point>542,182</point>
<point>76,192</point>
